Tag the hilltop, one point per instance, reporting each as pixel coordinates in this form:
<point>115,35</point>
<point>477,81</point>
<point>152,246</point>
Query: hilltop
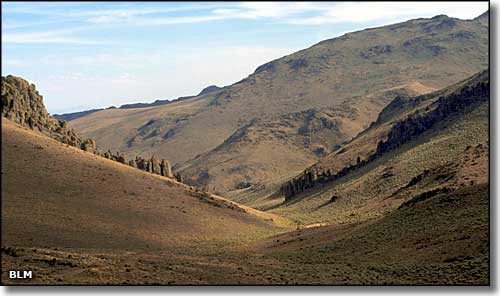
<point>75,115</point>
<point>361,160</point>
<point>363,70</point>
<point>67,211</point>
<point>417,145</point>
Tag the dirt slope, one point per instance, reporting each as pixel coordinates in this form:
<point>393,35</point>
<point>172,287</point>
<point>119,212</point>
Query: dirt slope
<point>56,195</point>
<point>418,55</point>
<point>443,240</point>
<point>451,152</point>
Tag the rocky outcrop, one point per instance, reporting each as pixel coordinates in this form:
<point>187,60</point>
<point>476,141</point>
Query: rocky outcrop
<point>155,166</point>
<point>166,169</point>
<point>89,145</point>
<point>403,131</point>
<point>22,104</point>
<point>132,163</point>
<point>312,178</point>
<point>424,196</point>
<point>417,123</point>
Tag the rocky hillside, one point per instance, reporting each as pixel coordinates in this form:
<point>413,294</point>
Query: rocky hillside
<point>21,103</point>
<point>419,56</point>
<point>297,139</point>
<point>419,148</point>
<point>428,110</point>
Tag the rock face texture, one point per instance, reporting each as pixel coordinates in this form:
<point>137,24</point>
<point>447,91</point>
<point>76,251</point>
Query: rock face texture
<point>166,169</point>
<point>415,124</point>
<point>474,92</point>
<point>22,104</point>
<point>89,145</point>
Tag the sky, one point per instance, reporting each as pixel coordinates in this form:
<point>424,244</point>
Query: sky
<point>84,55</point>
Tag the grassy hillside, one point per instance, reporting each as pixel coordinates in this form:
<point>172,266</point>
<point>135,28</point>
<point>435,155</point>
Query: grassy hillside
<point>443,240</point>
<point>361,160</point>
<point>58,197</point>
<point>73,217</point>
<point>418,56</point>
<point>452,153</point>
<point>270,150</point>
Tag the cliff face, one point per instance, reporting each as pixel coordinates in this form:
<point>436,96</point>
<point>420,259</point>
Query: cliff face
<point>22,104</point>
<point>415,124</point>
<point>475,91</point>
<point>426,53</point>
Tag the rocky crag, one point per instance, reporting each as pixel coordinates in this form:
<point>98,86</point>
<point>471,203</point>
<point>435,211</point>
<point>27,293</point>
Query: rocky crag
<point>403,131</point>
<point>22,104</point>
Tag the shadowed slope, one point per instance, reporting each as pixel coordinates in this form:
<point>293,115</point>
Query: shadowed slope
<point>56,195</point>
<point>418,55</point>
<point>449,151</point>
<point>443,240</point>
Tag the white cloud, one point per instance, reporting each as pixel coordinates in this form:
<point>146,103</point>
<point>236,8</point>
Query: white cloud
<point>307,13</point>
<point>120,74</point>
<point>51,36</point>
<point>133,15</point>
<point>296,13</point>
<point>268,9</point>
<point>174,20</point>
<point>167,76</point>
<point>364,12</point>
<point>41,38</point>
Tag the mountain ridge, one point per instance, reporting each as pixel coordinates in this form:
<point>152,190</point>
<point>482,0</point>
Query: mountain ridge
<point>74,115</point>
<point>357,68</point>
<point>361,161</point>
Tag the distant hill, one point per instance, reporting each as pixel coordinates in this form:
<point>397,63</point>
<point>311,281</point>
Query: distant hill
<point>363,70</point>
<point>75,115</point>
<point>209,89</point>
<point>22,104</point>
<point>417,145</point>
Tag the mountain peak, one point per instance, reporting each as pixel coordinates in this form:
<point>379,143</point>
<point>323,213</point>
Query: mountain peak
<point>209,89</point>
<point>484,17</point>
<point>440,16</point>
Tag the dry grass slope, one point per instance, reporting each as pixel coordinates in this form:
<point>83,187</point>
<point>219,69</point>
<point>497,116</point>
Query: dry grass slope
<point>355,69</point>
<point>440,241</point>
<point>56,196</point>
<point>453,153</point>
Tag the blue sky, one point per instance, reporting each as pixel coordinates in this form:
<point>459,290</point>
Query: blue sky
<point>84,55</point>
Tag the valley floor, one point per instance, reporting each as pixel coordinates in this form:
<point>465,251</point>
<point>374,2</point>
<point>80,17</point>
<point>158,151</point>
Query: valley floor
<point>131,227</point>
<point>440,241</point>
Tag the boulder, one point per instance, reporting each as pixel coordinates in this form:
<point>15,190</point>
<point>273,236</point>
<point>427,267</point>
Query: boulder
<point>166,169</point>
<point>155,166</point>
<point>88,145</point>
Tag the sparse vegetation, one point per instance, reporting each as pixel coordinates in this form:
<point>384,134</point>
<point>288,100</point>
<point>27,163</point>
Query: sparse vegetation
<point>387,181</point>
